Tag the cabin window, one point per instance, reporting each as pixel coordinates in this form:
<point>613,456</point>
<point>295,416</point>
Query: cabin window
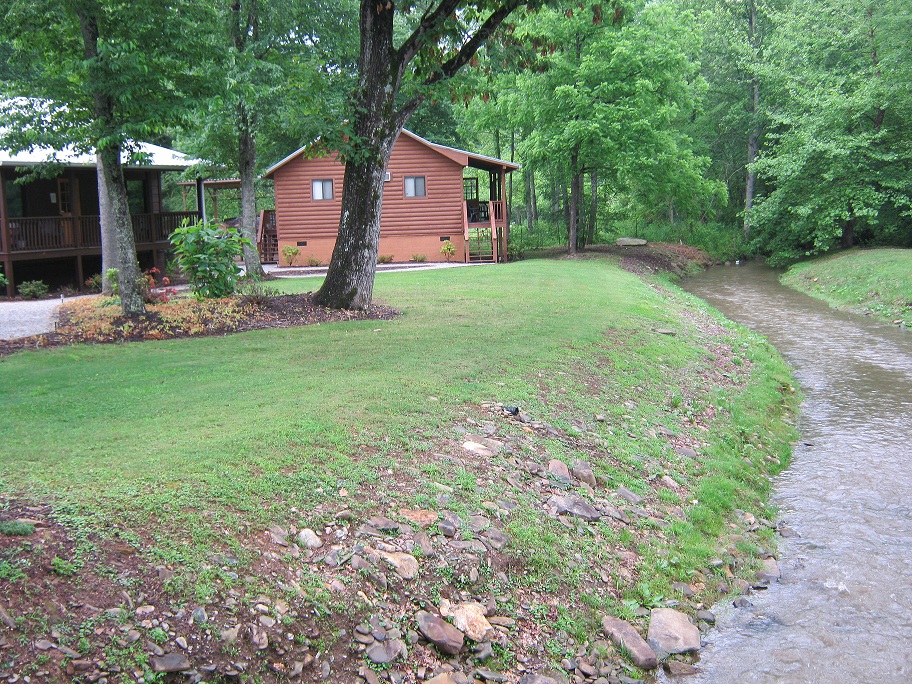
<point>415,186</point>
<point>322,189</point>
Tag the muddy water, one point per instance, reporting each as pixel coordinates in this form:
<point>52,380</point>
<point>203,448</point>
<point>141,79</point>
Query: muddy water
<point>843,610</point>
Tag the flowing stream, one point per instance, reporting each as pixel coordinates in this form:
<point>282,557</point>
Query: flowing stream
<point>843,610</point>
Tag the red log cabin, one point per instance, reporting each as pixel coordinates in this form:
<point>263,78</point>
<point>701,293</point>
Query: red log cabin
<point>432,194</point>
<point>50,229</point>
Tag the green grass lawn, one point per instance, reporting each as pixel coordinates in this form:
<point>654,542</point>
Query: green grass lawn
<point>878,281</point>
<point>187,446</point>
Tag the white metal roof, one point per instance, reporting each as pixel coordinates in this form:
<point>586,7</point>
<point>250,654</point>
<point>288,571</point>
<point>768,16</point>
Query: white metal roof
<point>158,158</point>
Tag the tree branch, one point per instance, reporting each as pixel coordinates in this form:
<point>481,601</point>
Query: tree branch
<point>426,28</point>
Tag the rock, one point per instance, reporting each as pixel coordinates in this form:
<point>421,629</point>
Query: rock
<point>383,524</point>
<point>683,588</point>
<point>676,668</point>
<point>259,638</point>
<point>623,634</point>
<point>558,469</point>
<point>442,678</point>
<point>741,602</point>
<point>422,518</point>
<point>309,539</point>
<point>706,616</point>
<point>477,449</point>
<point>489,676</point>
<point>632,497</point>
<point>267,621</point>
<point>479,523</point>
<point>278,535</point>
<point>770,572</point>
<point>44,645</point>
<point>447,528</point>
<point>441,633</point>
<point>495,538</point>
<point>181,642</point>
<point>469,618</point>
<point>537,679</point>
<point>686,451</point>
<point>6,618</point>
<point>383,652</point>
<point>230,634</point>
<point>672,631</point>
<point>574,506</point>
<point>424,543</point>
<point>666,331</point>
<point>405,565</point>
<point>669,482</point>
<point>483,651</point>
<point>630,242</point>
<point>170,662</point>
<point>582,471</point>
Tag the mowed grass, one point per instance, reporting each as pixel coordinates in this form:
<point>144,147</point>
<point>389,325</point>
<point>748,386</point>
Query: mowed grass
<point>188,445</point>
<point>878,281</point>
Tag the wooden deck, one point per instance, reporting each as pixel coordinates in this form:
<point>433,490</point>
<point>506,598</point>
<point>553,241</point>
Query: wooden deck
<point>485,227</point>
<point>40,237</point>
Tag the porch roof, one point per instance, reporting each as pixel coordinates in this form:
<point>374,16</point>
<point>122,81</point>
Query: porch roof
<point>157,158</point>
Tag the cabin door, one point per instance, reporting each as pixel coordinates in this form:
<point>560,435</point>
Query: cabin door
<point>65,207</point>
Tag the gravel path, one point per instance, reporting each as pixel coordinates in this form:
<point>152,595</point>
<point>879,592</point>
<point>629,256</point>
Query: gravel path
<point>21,319</point>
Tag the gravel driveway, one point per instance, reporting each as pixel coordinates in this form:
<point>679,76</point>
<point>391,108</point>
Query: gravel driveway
<point>21,319</point>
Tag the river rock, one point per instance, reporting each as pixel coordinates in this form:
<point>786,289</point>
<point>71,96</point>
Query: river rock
<point>383,652</point>
<point>559,470</point>
<point>309,539</point>
<point>671,631</point>
<point>405,565</point>
<point>582,471</point>
<point>770,572</point>
<point>440,632</point>
<point>675,668</point>
<point>469,618</point>
<point>630,242</point>
<point>574,506</point>
<point>477,449</point>
<point>170,662</point>
<point>624,635</point>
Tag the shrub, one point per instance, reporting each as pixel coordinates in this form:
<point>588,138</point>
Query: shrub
<point>112,274</point>
<point>419,258</point>
<point>206,254</point>
<point>290,253</point>
<point>93,284</point>
<point>16,528</point>
<point>253,292</point>
<point>311,260</point>
<point>385,259</point>
<point>3,281</point>
<point>448,249</point>
<point>33,289</point>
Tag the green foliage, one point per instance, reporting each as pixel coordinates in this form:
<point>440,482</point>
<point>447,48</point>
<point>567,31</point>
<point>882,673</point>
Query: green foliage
<point>63,567</point>
<point>206,254</point>
<point>419,258</point>
<point>112,276</point>
<point>93,284</point>
<point>448,249</point>
<point>290,254</point>
<point>33,289</point>
<point>385,259</point>
<point>15,527</point>
<point>3,281</point>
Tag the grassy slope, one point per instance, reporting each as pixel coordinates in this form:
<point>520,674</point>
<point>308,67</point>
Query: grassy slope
<point>188,445</point>
<point>878,281</point>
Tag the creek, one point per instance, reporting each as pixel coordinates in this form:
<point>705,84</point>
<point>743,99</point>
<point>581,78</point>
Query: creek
<point>842,611</point>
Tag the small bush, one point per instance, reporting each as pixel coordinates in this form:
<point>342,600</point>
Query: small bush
<point>448,250</point>
<point>112,275</point>
<point>63,567</point>
<point>290,254</point>
<point>311,260</point>
<point>419,258</point>
<point>385,259</point>
<point>254,292</point>
<point>206,253</point>
<point>33,289</point>
<point>3,281</point>
<point>16,528</point>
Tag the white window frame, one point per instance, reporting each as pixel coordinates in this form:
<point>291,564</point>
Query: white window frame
<point>318,188</point>
<point>413,179</point>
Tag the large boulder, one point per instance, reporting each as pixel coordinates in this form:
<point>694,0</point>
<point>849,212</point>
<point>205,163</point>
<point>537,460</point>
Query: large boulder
<point>671,631</point>
<point>623,635</point>
<point>440,632</point>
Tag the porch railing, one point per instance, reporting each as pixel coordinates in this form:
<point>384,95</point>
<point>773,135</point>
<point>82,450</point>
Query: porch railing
<point>483,212</point>
<point>48,233</point>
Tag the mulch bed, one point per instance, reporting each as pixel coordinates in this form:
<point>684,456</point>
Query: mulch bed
<point>283,311</point>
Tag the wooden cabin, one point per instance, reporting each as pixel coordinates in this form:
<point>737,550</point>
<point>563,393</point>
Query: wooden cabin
<point>50,228</point>
<point>432,194</point>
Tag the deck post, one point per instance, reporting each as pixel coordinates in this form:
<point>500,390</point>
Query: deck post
<point>467,246</point>
<point>506,215</point>
<point>492,217</point>
<point>5,242</point>
<point>200,199</point>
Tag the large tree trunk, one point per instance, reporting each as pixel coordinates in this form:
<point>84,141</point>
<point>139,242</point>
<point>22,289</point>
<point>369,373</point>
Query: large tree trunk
<point>530,189</point>
<point>115,197</point>
<point>593,205</point>
<point>349,280</point>
<point>574,204</point>
<point>247,169</point>
<point>108,231</point>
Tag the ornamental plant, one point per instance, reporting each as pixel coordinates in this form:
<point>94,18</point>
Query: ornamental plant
<point>448,249</point>
<point>206,253</point>
<point>290,252</point>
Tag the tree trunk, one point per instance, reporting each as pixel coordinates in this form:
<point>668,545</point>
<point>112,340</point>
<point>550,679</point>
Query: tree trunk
<point>529,201</point>
<point>108,232</point>
<point>118,244</point>
<point>848,233</point>
<point>534,195</point>
<point>593,205</point>
<point>128,273</point>
<point>573,208</point>
<point>510,177</point>
<point>349,280</point>
<point>247,169</point>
